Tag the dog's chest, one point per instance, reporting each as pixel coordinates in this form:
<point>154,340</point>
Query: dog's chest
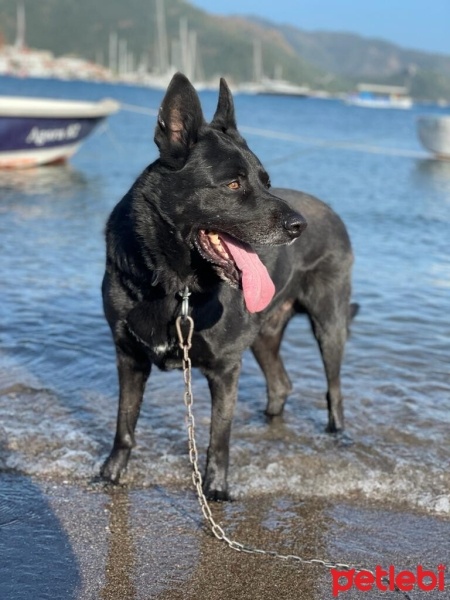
<point>152,325</point>
<point>168,355</point>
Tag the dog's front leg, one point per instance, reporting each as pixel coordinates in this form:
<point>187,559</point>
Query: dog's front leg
<point>133,374</point>
<point>223,385</point>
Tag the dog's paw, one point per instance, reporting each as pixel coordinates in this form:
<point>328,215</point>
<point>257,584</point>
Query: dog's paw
<point>275,406</point>
<point>99,483</point>
<point>110,474</point>
<point>274,420</point>
<point>114,466</point>
<point>342,438</point>
<point>216,491</point>
<point>218,496</point>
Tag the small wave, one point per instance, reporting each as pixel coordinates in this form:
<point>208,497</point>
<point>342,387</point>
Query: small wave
<point>52,441</point>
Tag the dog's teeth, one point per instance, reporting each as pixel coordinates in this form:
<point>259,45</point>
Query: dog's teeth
<point>215,241</point>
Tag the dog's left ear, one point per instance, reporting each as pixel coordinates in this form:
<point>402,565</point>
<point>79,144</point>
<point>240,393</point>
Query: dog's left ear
<point>224,116</point>
<point>179,120</point>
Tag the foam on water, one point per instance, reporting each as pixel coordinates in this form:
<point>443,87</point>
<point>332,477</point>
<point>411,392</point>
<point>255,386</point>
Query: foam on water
<point>284,457</point>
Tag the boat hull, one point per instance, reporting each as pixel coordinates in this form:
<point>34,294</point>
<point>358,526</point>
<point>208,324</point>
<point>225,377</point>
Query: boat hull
<point>32,141</point>
<point>36,131</point>
<point>399,103</point>
<point>434,133</point>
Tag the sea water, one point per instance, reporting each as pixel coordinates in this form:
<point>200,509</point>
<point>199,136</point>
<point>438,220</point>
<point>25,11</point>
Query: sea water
<point>58,383</point>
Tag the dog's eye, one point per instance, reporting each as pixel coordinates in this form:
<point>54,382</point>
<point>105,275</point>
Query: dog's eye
<point>234,185</point>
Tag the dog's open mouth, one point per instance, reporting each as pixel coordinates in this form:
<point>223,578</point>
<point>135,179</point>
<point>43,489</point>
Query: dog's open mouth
<point>238,264</point>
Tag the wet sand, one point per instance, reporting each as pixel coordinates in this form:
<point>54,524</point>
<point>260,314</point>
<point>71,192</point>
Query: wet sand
<point>66,541</point>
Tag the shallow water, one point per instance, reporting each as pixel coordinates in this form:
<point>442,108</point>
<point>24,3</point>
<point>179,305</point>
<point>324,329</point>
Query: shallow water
<point>57,374</point>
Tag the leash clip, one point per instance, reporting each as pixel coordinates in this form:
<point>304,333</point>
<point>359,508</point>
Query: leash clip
<point>185,302</point>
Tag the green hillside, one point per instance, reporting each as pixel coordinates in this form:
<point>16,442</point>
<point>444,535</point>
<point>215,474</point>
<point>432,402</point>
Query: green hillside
<point>83,28</point>
<point>225,46</point>
<point>373,60</point>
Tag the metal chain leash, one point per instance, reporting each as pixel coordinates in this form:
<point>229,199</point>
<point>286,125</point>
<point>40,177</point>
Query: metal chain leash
<point>185,343</point>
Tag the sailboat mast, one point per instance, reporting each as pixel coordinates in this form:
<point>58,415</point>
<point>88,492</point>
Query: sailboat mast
<point>257,61</point>
<point>20,31</point>
<point>163,53</point>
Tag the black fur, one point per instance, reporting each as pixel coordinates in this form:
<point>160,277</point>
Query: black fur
<point>153,253</point>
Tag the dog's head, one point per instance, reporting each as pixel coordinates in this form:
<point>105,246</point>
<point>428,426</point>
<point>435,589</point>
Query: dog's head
<point>219,191</point>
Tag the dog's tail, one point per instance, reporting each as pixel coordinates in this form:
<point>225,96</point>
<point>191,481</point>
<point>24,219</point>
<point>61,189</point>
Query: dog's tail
<point>353,310</point>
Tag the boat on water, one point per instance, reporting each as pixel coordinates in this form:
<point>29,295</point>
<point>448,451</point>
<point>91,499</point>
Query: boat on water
<point>434,133</point>
<point>38,131</point>
<point>280,87</point>
<point>273,87</point>
<point>380,96</point>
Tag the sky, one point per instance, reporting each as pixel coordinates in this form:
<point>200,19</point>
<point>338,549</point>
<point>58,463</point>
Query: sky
<point>417,24</point>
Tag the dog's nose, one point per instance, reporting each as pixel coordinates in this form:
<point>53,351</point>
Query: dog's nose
<point>294,225</point>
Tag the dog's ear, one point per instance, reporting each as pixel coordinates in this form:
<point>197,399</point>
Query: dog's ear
<point>224,116</point>
<point>179,120</point>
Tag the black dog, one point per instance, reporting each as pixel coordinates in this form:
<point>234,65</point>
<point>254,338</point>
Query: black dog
<point>192,219</point>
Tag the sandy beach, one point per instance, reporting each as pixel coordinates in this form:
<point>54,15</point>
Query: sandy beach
<point>64,541</point>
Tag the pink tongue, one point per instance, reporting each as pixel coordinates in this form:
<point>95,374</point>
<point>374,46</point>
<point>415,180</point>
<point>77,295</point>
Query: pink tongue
<point>257,285</point>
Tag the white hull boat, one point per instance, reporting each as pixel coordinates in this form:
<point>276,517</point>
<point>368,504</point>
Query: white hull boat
<point>434,133</point>
<point>38,131</point>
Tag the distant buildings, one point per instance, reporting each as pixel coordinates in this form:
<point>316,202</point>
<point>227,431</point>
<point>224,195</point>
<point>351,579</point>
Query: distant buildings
<point>20,61</point>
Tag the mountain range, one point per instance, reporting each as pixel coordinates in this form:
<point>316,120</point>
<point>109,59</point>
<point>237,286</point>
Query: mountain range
<point>225,46</point>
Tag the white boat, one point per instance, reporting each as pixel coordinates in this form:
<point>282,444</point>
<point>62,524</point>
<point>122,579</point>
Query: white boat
<point>380,96</point>
<point>37,131</point>
<point>434,133</point>
<point>280,87</point>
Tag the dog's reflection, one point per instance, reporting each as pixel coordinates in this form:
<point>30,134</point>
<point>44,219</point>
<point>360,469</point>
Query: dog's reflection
<point>121,557</point>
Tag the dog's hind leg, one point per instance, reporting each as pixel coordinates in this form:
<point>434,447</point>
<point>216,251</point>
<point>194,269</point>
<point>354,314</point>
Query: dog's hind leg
<point>266,350</point>
<point>223,385</point>
<point>133,374</point>
<point>329,316</point>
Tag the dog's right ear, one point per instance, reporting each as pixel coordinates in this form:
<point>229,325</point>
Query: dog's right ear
<point>179,120</point>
